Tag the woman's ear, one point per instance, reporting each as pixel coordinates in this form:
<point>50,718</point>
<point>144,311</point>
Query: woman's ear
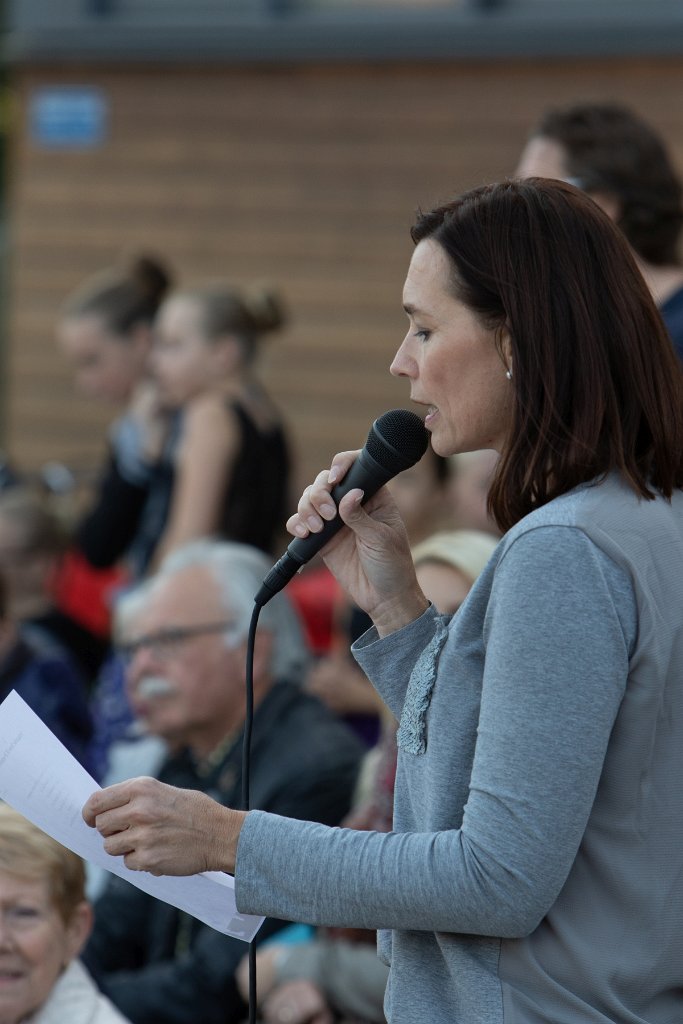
<point>77,931</point>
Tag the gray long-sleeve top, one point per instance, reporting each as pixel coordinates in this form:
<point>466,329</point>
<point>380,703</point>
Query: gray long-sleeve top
<point>535,870</point>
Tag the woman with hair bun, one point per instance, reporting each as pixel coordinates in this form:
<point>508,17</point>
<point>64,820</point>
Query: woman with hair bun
<point>231,467</point>
<point>105,330</point>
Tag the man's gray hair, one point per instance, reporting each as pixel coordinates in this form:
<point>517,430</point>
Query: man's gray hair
<point>238,570</point>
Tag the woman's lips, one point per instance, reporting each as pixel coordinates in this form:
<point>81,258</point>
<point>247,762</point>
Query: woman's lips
<point>8,976</point>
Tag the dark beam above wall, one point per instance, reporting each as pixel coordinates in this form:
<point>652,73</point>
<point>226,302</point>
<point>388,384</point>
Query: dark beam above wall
<point>107,30</point>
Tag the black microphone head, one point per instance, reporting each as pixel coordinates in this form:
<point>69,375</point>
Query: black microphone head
<point>397,440</point>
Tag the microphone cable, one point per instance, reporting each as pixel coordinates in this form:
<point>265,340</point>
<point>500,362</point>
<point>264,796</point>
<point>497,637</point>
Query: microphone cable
<point>246,770</point>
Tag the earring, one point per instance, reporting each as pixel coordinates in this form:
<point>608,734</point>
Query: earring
<point>508,374</point>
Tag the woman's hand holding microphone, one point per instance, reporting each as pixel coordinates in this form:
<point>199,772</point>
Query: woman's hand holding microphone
<point>371,559</point>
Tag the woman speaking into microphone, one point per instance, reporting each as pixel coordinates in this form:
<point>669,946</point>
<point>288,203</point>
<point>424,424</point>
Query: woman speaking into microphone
<point>535,869</point>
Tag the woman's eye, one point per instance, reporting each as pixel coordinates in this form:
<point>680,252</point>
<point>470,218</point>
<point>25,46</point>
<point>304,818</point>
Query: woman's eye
<point>422,335</point>
<point>23,913</point>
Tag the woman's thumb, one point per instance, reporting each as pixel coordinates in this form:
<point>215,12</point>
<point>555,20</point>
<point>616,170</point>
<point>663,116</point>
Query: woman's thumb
<point>351,510</point>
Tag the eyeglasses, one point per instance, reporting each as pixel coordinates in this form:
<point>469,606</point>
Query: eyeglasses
<point>164,643</point>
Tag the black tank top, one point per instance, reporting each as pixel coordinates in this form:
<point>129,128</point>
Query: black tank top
<point>256,502</point>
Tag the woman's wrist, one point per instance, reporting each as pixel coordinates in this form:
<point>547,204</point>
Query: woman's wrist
<point>399,612</point>
<point>225,833</point>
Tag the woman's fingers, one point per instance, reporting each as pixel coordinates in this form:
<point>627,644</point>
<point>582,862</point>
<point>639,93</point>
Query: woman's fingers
<point>316,506</point>
<point>163,829</point>
<point>341,464</point>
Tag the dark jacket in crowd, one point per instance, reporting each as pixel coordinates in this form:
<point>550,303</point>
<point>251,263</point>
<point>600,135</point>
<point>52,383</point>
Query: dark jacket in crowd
<point>52,686</point>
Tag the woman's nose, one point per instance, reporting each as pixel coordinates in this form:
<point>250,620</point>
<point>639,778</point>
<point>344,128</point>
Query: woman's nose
<point>403,364</point>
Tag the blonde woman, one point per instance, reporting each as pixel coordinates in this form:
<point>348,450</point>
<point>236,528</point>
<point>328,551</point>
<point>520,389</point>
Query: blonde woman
<point>44,923</point>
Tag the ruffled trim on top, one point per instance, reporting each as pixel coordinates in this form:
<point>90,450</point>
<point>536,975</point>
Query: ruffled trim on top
<point>412,732</point>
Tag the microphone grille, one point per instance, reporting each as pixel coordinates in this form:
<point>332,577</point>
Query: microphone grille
<point>397,440</point>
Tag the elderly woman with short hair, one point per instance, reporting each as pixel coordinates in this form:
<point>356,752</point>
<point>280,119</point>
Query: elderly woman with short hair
<point>44,923</point>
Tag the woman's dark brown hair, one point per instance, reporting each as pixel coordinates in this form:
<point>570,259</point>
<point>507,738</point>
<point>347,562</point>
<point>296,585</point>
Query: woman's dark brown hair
<point>597,384</point>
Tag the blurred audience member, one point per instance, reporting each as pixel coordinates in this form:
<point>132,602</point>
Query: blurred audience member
<point>105,331</point>
<point>32,544</point>
<point>448,564</point>
<point>337,976</point>
<point>45,923</point>
<point>49,681</point>
<point>623,164</point>
<point>185,634</point>
<point>471,474</point>
<point>230,472</point>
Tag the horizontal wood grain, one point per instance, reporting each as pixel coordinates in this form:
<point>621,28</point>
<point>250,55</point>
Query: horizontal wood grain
<point>307,177</point>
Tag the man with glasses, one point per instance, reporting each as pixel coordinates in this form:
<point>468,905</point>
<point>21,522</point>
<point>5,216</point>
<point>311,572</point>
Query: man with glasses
<point>183,634</point>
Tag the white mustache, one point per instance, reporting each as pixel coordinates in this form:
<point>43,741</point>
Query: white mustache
<point>152,687</point>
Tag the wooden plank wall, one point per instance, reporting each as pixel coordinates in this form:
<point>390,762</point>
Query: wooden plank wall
<point>307,177</point>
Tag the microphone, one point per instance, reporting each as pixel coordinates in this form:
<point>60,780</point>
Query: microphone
<point>397,440</point>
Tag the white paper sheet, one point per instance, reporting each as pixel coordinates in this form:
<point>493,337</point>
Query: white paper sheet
<point>45,783</point>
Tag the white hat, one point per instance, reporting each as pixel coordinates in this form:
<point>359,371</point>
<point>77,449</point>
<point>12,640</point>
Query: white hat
<point>466,550</point>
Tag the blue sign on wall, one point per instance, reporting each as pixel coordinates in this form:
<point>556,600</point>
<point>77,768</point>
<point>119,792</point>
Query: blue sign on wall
<point>68,116</point>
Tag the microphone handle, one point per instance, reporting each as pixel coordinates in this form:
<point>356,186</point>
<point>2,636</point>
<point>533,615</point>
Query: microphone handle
<point>365,473</point>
